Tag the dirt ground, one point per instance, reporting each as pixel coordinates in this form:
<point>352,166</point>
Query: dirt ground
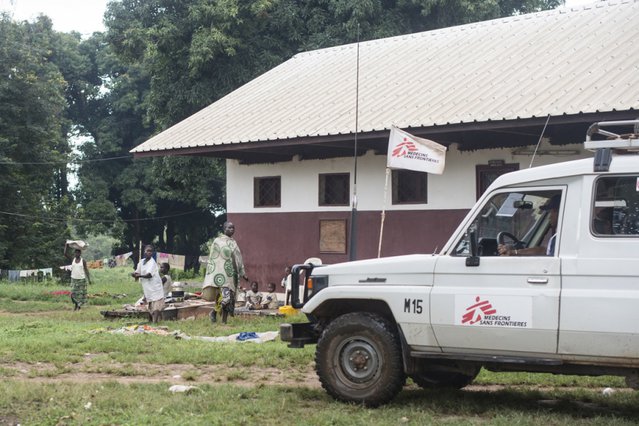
<point>83,372</point>
<point>194,374</point>
<point>86,371</point>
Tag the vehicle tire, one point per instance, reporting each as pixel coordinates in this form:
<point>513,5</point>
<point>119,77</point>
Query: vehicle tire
<point>443,379</point>
<point>358,359</point>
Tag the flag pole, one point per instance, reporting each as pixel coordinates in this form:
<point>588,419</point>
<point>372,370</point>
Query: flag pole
<point>381,227</point>
<point>353,231</point>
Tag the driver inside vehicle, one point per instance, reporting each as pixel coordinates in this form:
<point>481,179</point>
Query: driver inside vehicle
<point>552,206</point>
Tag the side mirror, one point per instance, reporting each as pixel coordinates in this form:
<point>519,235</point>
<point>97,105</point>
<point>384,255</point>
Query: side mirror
<point>473,259</point>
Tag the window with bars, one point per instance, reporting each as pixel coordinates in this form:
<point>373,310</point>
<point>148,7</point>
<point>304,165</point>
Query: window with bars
<point>334,189</point>
<point>409,187</point>
<point>267,191</point>
<point>486,174</point>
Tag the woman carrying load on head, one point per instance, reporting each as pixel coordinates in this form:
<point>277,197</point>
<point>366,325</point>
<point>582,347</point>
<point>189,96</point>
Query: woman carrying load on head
<point>79,278</point>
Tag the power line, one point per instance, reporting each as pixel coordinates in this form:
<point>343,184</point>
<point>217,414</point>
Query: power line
<point>42,163</point>
<point>61,219</point>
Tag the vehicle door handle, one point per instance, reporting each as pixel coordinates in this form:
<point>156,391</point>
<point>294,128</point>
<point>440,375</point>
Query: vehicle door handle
<point>537,280</point>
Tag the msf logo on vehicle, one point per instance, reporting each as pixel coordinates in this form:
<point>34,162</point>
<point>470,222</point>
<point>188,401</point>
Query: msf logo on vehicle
<point>403,148</point>
<point>495,311</point>
<point>476,312</point>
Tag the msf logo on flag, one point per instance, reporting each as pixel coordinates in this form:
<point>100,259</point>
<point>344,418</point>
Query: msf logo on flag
<point>403,148</point>
<point>409,152</point>
<point>476,312</point>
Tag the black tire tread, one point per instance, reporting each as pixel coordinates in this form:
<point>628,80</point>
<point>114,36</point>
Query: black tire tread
<point>393,366</point>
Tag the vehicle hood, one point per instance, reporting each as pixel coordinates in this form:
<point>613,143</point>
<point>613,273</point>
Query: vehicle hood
<point>416,269</point>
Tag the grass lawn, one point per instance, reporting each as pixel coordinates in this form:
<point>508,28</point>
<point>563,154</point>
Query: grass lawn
<point>63,367</point>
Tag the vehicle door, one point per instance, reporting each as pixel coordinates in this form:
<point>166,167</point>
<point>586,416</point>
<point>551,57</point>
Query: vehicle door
<point>600,294</point>
<point>502,303</point>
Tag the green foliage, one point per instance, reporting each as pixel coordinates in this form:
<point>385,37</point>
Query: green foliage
<point>100,247</point>
<point>197,51</point>
<point>32,129</point>
<point>169,59</point>
<point>56,361</point>
<point>159,62</point>
<point>189,275</point>
<point>119,197</point>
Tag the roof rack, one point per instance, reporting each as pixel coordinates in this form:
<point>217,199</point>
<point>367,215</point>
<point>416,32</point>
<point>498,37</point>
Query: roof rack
<point>603,148</point>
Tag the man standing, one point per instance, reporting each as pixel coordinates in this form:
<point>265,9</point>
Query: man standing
<point>223,271</point>
<point>79,278</point>
<point>149,275</point>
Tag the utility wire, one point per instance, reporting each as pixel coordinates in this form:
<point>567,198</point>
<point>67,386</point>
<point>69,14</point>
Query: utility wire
<point>61,219</point>
<point>42,163</point>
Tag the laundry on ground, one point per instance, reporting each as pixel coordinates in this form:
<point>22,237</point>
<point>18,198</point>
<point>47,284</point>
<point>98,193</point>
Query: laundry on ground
<point>245,336</point>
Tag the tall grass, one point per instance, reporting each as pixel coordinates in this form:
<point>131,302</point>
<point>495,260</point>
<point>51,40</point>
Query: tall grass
<point>226,404</point>
<point>40,329</point>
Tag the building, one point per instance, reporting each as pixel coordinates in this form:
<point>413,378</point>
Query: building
<point>489,91</point>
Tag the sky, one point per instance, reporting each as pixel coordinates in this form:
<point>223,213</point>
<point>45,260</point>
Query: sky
<point>85,16</point>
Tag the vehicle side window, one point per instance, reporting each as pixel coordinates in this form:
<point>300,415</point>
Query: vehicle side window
<point>615,211</point>
<point>517,218</point>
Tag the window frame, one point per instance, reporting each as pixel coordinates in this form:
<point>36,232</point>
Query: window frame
<point>257,181</point>
<point>615,209</point>
<point>538,232</point>
<point>321,185</point>
<point>395,182</point>
<point>481,170</point>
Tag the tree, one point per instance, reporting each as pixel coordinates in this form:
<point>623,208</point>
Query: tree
<point>163,60</point>
<point>167,201</point>
<point>32,146</point>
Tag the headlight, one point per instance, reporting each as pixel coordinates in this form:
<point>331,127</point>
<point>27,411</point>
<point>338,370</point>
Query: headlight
<point>316,283</point>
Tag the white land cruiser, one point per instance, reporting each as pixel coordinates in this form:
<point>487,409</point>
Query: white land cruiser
<point>501,294</point>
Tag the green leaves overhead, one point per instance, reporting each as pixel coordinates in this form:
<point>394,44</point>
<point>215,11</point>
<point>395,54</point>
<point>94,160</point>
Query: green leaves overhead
<point>158,63</point>
<point>32,130</point>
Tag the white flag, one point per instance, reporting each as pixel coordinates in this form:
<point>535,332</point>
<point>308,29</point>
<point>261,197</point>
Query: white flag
<point>406,151</point>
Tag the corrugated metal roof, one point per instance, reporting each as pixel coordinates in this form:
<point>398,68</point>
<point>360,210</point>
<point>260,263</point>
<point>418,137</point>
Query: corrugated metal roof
<point>564,61</point>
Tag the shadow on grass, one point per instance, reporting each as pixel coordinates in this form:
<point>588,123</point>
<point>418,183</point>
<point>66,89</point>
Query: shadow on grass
<point>575,404</point>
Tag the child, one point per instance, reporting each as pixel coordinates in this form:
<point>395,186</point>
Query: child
<point>253,297</point>
<point>167,281</point>
<point>287,285</point>
<point>270,300</point>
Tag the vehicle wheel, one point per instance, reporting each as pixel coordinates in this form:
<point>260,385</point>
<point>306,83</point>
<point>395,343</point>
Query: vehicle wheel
<point>358,359</point>
<point>443,379</point>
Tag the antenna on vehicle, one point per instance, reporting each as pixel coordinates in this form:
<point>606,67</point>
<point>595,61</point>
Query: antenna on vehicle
<point>353,236</point>
<point>539,141</point>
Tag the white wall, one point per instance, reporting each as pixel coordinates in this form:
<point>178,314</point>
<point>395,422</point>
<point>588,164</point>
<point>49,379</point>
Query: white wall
<point>455,189</point>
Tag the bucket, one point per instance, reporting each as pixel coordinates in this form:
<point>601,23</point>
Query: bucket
<point>177,291</point>
<point>287,310</point>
